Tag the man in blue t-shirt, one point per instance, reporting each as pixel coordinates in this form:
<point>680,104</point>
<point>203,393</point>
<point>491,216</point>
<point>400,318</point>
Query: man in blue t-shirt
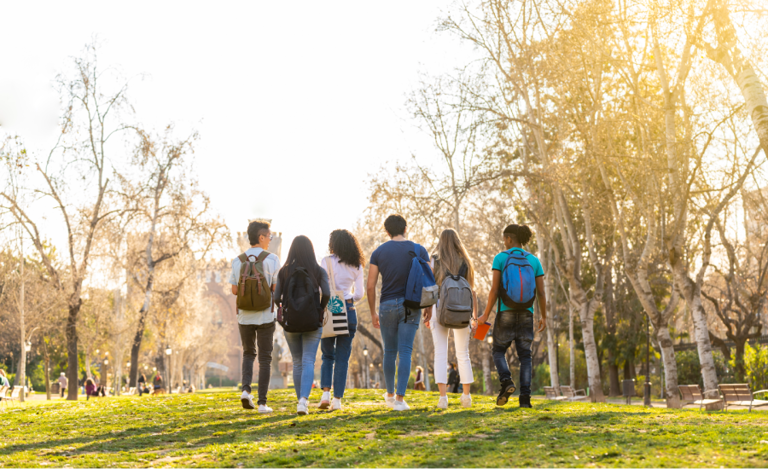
<point>398,324</point>
<point>514,326</point>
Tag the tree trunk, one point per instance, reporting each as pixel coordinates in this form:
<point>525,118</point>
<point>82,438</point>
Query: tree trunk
<point>613,376</point>
<point>88,373</point>
<point>72,365</point>
<point>136,348</point>
<point>670,366</point>
<point>21,373</point>
<point>554,379</point>
<point>704,347</point>
<point>590,354</point>
<point>741,372</point>
<point>487,372</point>
<point>571,348</point>
<point>730,57</point>
<point>47,371</point>
<point>552,351</point>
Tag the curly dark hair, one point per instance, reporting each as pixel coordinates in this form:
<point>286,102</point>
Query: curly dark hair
<point>345,245</point>
<point>520,233</point>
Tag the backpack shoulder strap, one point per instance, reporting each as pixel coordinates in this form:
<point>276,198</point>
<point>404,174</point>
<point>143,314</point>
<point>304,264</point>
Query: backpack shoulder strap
<point>463,270</point>
<point>243,258</point>
<point>263,255</point>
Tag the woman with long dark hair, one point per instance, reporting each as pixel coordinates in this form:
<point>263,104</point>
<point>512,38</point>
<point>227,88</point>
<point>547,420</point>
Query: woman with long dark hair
<point>452,259</point>
<point>303,345</point>
<point>346,266</point>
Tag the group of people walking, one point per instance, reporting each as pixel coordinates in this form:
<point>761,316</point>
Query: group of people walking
<point>315,304</point>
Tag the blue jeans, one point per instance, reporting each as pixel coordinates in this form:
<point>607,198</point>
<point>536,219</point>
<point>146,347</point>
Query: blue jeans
<point>398,329</point>
<point>517,327</point>
<point>303,346</point>
<point>336,351</point>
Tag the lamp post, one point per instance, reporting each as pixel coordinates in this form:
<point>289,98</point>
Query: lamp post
<point>365,368</point>
<point>168,353</point>
<point>106,375</point>
<point>27,349</point>
<point>647,387</point>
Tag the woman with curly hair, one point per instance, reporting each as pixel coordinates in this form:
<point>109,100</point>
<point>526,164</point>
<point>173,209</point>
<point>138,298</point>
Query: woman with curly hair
<point>347,262</point>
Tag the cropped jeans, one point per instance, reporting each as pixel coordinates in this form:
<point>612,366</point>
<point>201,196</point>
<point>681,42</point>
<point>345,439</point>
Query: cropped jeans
<point>336,352</point>
<point>303,346</point>
<point>517,327</point>
<point>398,329</point>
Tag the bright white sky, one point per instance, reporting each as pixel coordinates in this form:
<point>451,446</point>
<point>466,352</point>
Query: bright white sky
<point>305,97</point>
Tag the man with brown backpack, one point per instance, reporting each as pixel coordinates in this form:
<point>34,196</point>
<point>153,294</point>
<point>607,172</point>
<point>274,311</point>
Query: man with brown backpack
<point>253,278</point>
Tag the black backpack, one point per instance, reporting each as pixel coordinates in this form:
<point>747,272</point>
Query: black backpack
<point>301,303</point>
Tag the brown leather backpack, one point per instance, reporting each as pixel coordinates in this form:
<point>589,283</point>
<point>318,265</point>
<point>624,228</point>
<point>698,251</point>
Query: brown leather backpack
<point>253,291</point>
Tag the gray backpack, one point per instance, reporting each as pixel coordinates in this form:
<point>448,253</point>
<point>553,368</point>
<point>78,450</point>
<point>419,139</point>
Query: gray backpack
<point>456,301</point>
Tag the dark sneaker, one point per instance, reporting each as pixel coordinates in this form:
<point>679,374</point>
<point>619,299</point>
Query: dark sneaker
<point>507,388</point>
<point>525,402</point>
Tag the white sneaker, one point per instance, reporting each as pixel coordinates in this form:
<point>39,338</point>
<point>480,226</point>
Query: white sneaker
<point>301,408</point>
<point>466,400</point>
<point>442,403</point>
<point>265,409</point>
<point>336,404</point>
<point>400,405</point>
<point>390,401</point>
<point>247,399</point>
<point>325,401</point>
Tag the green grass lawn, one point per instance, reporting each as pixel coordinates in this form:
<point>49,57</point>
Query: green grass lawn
<point>212,429</point>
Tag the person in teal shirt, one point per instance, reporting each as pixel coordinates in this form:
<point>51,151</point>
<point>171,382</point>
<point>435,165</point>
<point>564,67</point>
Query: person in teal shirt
<point>514,326</point>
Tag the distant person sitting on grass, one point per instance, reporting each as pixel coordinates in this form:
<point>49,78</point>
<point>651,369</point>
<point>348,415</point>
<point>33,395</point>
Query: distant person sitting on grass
<point>4,379</point>
<point>157,384</point>
<point>418,383</point>
<point>91,389</point>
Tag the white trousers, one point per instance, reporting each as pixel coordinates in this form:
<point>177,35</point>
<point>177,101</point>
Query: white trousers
<point>461,338</point>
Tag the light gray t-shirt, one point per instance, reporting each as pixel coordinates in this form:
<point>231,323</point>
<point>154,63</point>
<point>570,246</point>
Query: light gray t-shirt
<point>271,267</point>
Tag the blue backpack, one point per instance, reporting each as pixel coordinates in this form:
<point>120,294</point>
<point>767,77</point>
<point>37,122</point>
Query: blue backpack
<point>420,290</point>
<point>518,281</point>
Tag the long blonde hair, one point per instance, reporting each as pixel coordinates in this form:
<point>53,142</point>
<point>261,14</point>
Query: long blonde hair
<point>450,255</point>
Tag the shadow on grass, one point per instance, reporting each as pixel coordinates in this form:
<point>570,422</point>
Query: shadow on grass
<point>370,435</point>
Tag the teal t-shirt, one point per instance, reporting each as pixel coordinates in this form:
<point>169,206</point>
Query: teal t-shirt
<point>501,259</point>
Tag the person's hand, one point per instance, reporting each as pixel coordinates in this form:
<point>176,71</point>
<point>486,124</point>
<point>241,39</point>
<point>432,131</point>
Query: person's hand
<point>375,320</point>
<point>427,315</point>
<point>473,325</point>
<point>542,324</point>
<point>483,319</point>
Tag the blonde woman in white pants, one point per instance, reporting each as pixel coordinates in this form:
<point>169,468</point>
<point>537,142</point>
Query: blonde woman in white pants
<point>452,259</point>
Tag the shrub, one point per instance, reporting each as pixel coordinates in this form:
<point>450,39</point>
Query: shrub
<point>755,366</point>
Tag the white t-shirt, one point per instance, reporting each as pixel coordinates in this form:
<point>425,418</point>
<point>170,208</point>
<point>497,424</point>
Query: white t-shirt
<point>271,267</point>
<point>348,279</point>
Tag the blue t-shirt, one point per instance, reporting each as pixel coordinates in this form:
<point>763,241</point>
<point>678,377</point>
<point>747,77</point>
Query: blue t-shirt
<point>538,271</point>
<point>394,261</point>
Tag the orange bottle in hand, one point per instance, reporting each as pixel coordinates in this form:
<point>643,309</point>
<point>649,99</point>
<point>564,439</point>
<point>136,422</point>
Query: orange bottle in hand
<point>482,331</point>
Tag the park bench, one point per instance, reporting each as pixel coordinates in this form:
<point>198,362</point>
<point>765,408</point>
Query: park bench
<point>691,394</point>
<point>14,394</point>
<point>552,394</point>
<point>3,390</point>
<point>740,394</point>
<point>571,395</point>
